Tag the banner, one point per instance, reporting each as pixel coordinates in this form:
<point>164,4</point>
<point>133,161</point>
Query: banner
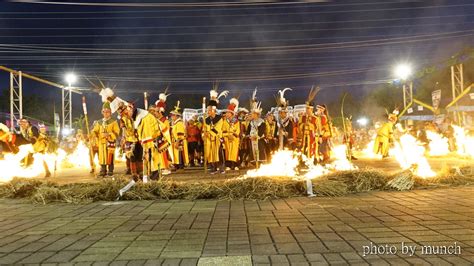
<point>436,97</point>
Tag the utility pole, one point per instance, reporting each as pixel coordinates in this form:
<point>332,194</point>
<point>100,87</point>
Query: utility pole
<point>16,98</point>
<point>457,85</point>
<point>407,94</point>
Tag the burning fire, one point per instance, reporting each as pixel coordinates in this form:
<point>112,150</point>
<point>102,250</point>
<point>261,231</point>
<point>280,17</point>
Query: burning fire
<point>411,155</point>
<point>11,164</point>
<point>285,164</point>
<point>438,144</point>
<point>341,163</point>
<point>464,143</point>
<point>79,158</point>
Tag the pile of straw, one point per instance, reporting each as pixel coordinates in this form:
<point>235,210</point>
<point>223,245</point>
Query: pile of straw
<point>261,188</point>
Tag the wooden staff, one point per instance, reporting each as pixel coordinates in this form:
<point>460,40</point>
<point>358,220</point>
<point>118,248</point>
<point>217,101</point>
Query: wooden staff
<point>344,127</point>
<point>145,100</point>
<point>84,108</point>
<point>204,132</point>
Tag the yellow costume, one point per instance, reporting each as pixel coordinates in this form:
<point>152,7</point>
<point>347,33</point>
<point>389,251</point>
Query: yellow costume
<point>383,139</point>
<point>231,135</point>
<point>129,130</point>
<point>148,131</point>
<point>180,143</point>
<point>106,131</point>
<point>212,134</point>
<point>42,143</point>
<point>165,154</point>
<point>309,135</point>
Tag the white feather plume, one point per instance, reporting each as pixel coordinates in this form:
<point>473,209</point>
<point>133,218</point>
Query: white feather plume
<point>213,93</point>
<point>254,94</point>
<point>282,95</point>
<point>163,96</point>
<point>106,93</point>
<point>224,93</point>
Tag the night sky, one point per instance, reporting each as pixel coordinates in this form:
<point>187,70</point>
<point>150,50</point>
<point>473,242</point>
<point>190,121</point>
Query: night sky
<point>337,45</point>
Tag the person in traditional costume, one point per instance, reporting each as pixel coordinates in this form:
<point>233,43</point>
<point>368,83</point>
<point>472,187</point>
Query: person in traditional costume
<point>308,130</point>
<point>163,141</point>
<point>131,145</point>
<point>94,151</point>
<point>7,140</point>
<point>231,135</point>
<point>385,137</point>
<point>270,134</point>
<point>284,123</point>
<point>212,134</point>
<point>178,139</point>
<point>193,136</point>
<point>256,132</point>
<point>42,145</point>
<point>29,134</point>
<point>107,131</point>
<point>325,132</point>
<point>349,137</point>
<point>244,141</point>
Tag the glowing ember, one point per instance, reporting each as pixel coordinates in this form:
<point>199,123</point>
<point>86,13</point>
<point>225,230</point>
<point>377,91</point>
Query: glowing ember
<point>464,143</point>
<point>438,144</point>
<point>411,155</point>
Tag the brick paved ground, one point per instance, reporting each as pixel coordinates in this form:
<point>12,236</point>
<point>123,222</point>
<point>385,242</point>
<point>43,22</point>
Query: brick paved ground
<point>298,231</point>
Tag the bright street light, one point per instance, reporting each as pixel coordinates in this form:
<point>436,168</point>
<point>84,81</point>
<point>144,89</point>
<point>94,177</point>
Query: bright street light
<point>70,78</point>
<point>403,71</point>
<point>363,121</point>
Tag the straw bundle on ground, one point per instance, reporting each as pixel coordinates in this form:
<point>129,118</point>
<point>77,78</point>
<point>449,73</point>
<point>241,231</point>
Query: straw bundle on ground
<point>334,184</point>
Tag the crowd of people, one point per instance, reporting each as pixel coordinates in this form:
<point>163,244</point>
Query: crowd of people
<point>158,142</point>
<point>226,137</point>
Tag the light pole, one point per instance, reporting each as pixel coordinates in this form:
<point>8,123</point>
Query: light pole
<point>67,101</point>
<point>403,72</point>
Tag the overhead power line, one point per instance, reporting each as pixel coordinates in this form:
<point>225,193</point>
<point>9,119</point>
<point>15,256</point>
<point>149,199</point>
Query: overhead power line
<point>192,33</point>
<point>242,14</point>
<point>253,50</point>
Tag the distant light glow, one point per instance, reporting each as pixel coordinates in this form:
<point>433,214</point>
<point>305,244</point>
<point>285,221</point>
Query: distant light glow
<point>403,71</point>
<point>66,132</point>
<point>363,121</point>
<point>71,78</point>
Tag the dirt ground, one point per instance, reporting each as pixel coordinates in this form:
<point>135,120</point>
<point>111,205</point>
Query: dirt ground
<point>197,174</point>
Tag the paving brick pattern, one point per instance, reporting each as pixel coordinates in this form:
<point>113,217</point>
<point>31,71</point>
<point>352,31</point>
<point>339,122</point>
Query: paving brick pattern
<point>296,231</point>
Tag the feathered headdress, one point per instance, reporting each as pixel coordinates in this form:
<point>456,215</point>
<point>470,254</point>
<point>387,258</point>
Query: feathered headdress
<point>311,96</point>
<point>256,108</point>
<point>233,105</point>
<point>164,95</point>
<point>216,96</point>
<point>176,110</point>
<point>394,115</point>
<point>282,101</point>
